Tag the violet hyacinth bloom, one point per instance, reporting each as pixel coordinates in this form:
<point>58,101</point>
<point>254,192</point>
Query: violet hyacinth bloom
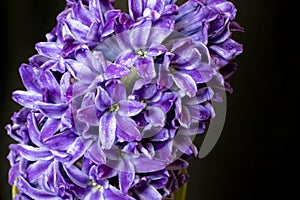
<point>113,100</point>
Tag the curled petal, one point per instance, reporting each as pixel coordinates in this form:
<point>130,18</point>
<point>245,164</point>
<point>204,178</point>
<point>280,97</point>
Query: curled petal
<point>49,49</point>
<point>77,176</point>
<point>33,192</point>
<point>26,98</point>
<point>80,71</point>
<point>228,49</point>
<point>102,100</point>
<point>29,76</point>
<point>32,153</point>
<point>37,169</point>
<point>185,83</point>
<point>155,116</point>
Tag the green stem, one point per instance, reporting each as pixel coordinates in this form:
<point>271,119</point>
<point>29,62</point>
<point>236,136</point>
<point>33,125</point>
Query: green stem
<point>14,191</point>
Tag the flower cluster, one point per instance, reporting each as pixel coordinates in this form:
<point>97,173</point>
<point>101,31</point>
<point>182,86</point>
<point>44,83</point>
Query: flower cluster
<point>113,100</point>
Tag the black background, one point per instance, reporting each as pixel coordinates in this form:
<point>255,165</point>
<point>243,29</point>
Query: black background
<point>255,157</point>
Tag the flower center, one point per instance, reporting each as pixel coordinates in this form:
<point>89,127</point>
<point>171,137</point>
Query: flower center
<point>114,107</point>
<point>141,53</point>
<point>95,185</point>
<point>172,68</point>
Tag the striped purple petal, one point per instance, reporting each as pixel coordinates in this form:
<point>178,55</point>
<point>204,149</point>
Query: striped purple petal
<point>107,130</point>
<point>130,108</point>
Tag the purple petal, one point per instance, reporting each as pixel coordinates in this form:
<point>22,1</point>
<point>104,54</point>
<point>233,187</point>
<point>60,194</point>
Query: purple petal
<point>95,61</point>
<point>29,78</point>
<point>33,192</point>
<point>96,154</point>
<point>88,115</point>
<point>117,91</point>
<point>149,192</point>
<point>194,129</point>
<point>130,108</point>
<point>156,50</point>
<point>66,92</point>
<point>106,172</point>
<point>114,193</point>
<point>203,94</point>
<point>80,71</point>
<point>125,180</point>
<point>50,128</point>
<point>102,100</point>
<point>159,180</point>
<point>162,135</point>
<point>88,100</point>
<point>51,110</point>
<point>13,174</point>
<point>139,34</point>
<point>33,130</point>
<point>77,149</point>
<point>37,169</point>
<point>145,68</point>
<point>162,28</point>
<point>77,176</point>
<point>127,59</point>
<point>78,30</point>
<point>116,71</point>
<point>128,126</point>
<point>145,164</point>
<point>185,117</point>
<point>136,8</point>
<point>147,149</point>
<point>107,130</point>
<point>199,112</point>
<point>228,49</point>
<point>47,80</point>
<point>32,153</point>
<point>81,14</point>
<point>61,141</point>
<point>185,83</point>
<point>164,80</point>
<point>149,131</point>
<point>200,75</point>
<point>155,116</point>
<point>157,5</point>
<point>94,194</point>
<point>49,49</point>
<point>183,143</point>
<point>166,101</point>
<point>26,98</point>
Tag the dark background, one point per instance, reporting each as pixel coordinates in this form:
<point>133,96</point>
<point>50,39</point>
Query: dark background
<point>255,157</point>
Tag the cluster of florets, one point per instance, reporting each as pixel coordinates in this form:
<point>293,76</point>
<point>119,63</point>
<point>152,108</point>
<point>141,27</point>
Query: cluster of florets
<point>113,100</point>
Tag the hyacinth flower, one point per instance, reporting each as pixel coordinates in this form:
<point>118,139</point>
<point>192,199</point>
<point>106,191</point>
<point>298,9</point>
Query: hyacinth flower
<point>113,100</point>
